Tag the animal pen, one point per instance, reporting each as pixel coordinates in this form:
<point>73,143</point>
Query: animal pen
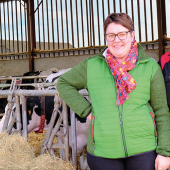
<point>33,30</point>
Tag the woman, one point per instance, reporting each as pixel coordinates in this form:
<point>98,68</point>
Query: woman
<point>130,121</point>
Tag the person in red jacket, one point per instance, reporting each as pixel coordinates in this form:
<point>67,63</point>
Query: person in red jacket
<point>164,62</point>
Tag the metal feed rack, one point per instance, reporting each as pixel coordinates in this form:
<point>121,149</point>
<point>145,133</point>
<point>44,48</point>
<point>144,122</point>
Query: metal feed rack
<point>17,95</point>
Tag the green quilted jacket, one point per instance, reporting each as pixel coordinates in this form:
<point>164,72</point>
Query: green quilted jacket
<point>139,125</point>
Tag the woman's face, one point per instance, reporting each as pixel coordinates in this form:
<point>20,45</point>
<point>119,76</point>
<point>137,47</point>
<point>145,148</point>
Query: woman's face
<point>119,48</point>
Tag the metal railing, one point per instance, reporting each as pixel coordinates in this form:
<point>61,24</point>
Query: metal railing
<point>71,27</point>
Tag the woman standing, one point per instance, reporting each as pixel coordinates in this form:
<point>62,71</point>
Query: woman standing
<point>130,120</point>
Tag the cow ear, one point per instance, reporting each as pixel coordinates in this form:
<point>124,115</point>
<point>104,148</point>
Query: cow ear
<point>38,111</point>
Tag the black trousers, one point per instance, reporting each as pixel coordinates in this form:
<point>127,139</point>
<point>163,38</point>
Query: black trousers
<point>144,161</point>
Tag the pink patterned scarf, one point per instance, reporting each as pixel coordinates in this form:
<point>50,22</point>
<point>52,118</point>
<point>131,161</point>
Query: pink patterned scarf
<point>124,81</point>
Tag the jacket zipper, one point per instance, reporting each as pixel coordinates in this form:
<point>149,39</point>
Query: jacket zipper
<point>121,121</point>
<point>122,132</point>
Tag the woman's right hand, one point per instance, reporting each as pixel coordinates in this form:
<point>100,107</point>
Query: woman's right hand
<point>162,162</point>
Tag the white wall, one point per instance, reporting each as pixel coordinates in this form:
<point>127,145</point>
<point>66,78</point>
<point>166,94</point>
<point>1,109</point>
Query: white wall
<point>20,66</point>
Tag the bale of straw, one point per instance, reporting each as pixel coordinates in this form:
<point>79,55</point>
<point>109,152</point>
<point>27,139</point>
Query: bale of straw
<point>46,161</point>
<point>17,154</point>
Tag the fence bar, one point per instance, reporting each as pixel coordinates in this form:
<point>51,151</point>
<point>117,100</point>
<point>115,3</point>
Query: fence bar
<point>126,6</point>
<point>120,4</point>
<point>66,131</point>
<point>92,20</point>
<point>24,117</point>
<point>52,23</point>
<point>8,26</point>
<point>17,26</point>
<point>21,29</point>
<point>139,25</point>
<point>67,24</point>
<point>25,19</point>
<point>4,25</point>
<point>103,16</point>
<point>18,115</point>
<point>57,24</point>
<point>160,28</point>
<point>48,26</point>
<point>87,16</point>
<point>98,20</point>
<point>82,23</point>
<point>1,30</point>
<point>77,25</point>
<point>114,3</point>
<point>146,32</point>
<point>108,5</point>
<point>61,7</point>
<point>74,139</point>
<point>12,24</point>
<point>43,24</point>
<point>151,22</point>
<point>132,10</point>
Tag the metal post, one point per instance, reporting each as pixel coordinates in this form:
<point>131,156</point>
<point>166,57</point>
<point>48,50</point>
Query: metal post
<point>74,139</point>
<point>18,114</point>
<point>66,130</point>
<point>161,25</point>
<point>24,117</point>
<point>31,33</point>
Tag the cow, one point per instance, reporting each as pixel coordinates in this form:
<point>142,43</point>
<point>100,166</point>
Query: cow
<point>34,117</point>
<point>3,102</point>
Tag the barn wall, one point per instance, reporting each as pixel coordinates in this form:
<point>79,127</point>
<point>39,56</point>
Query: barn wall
<point>18,67</point>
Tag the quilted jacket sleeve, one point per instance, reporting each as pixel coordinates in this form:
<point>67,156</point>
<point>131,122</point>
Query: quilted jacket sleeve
<point>162,114</point>
<point>69,85</point>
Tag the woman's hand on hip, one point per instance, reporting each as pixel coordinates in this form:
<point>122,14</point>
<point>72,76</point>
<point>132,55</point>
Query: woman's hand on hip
<point>162,162</point>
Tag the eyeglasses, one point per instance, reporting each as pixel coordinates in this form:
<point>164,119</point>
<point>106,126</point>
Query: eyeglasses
<point>120,35</point>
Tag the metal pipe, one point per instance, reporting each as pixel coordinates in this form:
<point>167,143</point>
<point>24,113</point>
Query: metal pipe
<point>5,93</point>
<point>160,29</point>
<point>57,23</point>
<point>82,23</point>
<point>21,29</point>
<point>48,26</point>
<point>24,117</point>
<point>98,21</point>
<point>43,25</point>
<point>26,32</point>
<point>8,26</point>
<point>120,5</point>
<point>4,25</point>
<point>17,26</point>
<point>1,30</point>
<point>152,35</point>
<point>74,138</point>
<point>62,23</point>
<point>18,114</point>
<point>72,22</point>
<point>66,131</point>
<point>146,32</point>
<point>139,25</point>
<point>52,22</point>
<point>67,25</point>
<point>77,23</point>
<point>87,19</point>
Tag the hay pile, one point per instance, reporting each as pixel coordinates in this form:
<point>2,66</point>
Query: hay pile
<point>17,154</point>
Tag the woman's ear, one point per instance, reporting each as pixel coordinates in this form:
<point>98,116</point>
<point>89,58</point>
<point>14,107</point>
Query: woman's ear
<point>133,35</point>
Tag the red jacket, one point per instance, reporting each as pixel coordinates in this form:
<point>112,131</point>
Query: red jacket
<point>165,65</point>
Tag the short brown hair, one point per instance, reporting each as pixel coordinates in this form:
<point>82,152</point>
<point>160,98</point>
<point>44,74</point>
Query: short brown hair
<point>119,18</point>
